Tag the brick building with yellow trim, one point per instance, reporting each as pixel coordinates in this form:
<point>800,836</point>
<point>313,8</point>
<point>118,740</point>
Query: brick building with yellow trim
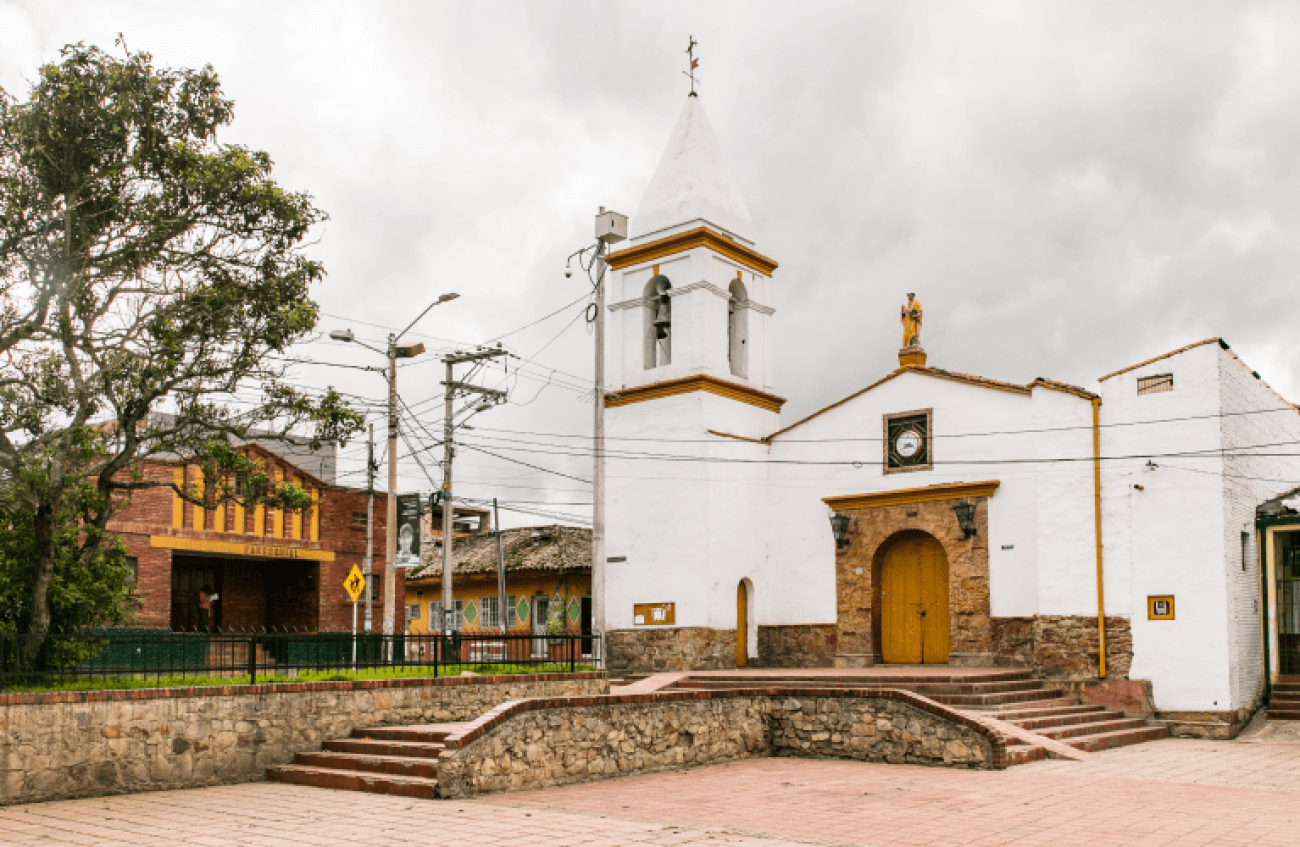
<point>271,569</point>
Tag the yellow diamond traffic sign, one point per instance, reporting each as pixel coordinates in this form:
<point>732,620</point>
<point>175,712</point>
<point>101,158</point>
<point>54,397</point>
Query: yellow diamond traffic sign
<point>355,583</point>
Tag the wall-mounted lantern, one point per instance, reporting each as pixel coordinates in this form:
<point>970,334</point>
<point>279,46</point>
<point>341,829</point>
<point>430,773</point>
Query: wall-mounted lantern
<point>965,517</point>
<point>840,529</point>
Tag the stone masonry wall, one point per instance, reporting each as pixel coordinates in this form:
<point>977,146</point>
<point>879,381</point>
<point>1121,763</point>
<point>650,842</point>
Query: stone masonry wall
<point>796,646</point>
<point>656,650</point>
<point>540,743</point>
<point>83,744</point>
<point>1063,646</point>
<point>872,730</point>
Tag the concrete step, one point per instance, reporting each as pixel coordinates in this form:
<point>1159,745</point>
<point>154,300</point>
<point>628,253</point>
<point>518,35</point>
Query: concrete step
<point>392,765</point>
<point>893,680</point>
<point>374,747</point>
<point>1041,723</point>
<point>1120,738</point>
<point>988,701</point>
<point>403,733</point>
<point>1283,714</point>
<point>927,689</point>
<point>1023,754</point>
<point>1043,709</point>
<point>1065,733</point>
<point>405,786</point>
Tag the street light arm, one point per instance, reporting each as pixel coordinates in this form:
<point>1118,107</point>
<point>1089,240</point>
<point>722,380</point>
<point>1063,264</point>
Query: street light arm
<point>442,299</point>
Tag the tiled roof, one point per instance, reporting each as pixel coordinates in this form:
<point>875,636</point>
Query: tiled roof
<point>555,549</point>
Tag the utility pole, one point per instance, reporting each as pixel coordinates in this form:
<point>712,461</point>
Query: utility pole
<point>611,228</point>
<point>368,566</point>
<point>390,548</point>
<point>448,454</point>
<point>501,567</point>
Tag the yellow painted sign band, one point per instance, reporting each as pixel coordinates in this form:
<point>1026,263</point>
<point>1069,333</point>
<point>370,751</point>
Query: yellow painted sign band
<point>239,548</point>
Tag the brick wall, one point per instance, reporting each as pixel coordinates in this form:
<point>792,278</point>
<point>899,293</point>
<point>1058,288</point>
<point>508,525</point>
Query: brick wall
<point>1252,474</point>
<point>149,513</point>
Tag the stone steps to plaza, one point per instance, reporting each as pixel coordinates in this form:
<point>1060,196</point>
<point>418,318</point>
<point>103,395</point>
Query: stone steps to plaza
<point>1043,711</point>
<point>399,760</point>
<point>1284,704</point>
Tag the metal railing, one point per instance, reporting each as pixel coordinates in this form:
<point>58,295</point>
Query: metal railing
<point>135,656</point>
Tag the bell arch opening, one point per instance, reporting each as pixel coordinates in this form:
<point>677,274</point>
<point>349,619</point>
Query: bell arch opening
<point>738,329</point>
<point>658,323</point>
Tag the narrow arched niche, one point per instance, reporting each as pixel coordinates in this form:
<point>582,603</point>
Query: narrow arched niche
<point>738,329</point>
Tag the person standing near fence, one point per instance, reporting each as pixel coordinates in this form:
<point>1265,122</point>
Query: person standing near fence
<point>205,607</point>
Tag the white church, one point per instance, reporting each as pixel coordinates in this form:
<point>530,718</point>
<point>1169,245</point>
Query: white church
<point>933,517</point>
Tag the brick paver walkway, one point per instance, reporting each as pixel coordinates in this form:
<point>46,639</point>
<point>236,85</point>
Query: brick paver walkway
<point>1164,792</point>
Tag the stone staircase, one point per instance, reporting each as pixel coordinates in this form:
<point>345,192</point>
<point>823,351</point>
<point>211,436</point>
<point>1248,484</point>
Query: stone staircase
<point>1013,697</point>
<point>1284,705</point>
<point>401,760</point>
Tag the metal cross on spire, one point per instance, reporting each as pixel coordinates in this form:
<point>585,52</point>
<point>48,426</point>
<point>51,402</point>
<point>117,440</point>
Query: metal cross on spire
<point>695,63</point>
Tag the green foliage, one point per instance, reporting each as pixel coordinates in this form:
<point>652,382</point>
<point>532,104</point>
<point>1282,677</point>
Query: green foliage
<point>90,588</point>
<point>141,261</point>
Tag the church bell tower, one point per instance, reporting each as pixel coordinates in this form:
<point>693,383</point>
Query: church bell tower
<point>689,393</point>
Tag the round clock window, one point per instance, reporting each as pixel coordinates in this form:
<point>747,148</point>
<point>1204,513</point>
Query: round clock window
<point>908,444</point>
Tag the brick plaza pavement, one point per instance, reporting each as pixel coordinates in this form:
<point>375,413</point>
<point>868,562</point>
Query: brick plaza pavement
<point>1160,793</point>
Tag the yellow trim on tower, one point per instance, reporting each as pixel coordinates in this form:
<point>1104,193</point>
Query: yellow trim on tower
<point>683,241</point>
<point>926,494</point>
<point>686,385</point>
<point>178,505</point>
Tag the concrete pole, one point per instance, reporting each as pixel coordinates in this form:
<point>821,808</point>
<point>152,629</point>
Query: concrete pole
<point>390,572</point>
<point>368,567</point>
<point>448,452</point>
<point>598,474</point>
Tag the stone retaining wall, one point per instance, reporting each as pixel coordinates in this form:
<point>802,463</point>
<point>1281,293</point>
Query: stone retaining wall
<point>1063,646</point>
<point>796,645</point>
<point>87,743</point>
<point>541,743</point>
<point>659,650</point>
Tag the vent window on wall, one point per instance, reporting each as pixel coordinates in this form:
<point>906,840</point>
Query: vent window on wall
<point>1155,384</point>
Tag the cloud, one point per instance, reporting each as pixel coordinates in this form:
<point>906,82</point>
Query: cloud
<point>1069,187</point>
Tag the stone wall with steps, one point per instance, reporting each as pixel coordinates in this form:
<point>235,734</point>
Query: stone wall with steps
<point>539,743</point>
<point>88,743</point>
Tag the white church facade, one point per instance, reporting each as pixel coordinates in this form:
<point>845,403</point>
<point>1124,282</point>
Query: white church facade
<point>933,517</point>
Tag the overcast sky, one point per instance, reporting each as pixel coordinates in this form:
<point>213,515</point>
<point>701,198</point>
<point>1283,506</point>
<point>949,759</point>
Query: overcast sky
<point>1069,187</point>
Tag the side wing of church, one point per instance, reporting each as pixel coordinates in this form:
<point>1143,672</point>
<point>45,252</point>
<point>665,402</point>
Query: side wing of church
<point>933,517</point>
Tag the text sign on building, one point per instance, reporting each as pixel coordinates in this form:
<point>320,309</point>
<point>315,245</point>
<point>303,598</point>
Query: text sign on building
<point>408,530</point>
<point>1160,608</point>
<point>654,614</point>
<point>355,583</point>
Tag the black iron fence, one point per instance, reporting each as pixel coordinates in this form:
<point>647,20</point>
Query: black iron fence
<point>135,656</point>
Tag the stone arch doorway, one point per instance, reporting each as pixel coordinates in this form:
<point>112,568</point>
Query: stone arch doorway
<point>915,623</point>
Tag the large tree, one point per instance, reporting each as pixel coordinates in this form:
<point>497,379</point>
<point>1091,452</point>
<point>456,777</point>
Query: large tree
<point>142,261</point>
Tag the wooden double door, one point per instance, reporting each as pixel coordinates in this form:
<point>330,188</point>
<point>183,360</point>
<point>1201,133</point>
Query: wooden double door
<point>914,617</point>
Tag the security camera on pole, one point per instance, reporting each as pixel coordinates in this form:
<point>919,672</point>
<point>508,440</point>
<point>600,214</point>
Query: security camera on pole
<point>394,352</point>
<point>611,228</point>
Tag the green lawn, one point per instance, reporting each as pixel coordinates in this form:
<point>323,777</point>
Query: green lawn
<point>144,681</point>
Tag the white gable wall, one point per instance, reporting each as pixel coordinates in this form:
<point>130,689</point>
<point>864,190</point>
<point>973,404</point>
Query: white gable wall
<point>1175,525</point>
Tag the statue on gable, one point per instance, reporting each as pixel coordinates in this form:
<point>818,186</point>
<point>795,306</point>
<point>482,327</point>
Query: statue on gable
<point>910,317</point>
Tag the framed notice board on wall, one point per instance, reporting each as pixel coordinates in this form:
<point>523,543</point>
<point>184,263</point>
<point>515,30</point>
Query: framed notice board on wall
<point>654,614</point>
<point>1160,608</point>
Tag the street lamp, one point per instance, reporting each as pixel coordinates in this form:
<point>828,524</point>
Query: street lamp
<point>394,352</point>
